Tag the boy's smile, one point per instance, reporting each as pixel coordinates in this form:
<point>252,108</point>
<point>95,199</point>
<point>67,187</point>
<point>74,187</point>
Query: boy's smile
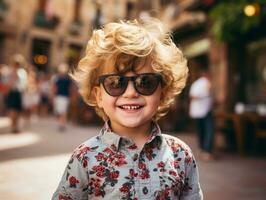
<point>130,107</point>
<point>131,111</point>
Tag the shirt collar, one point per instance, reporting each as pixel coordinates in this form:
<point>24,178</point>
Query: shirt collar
<point>115,141</point>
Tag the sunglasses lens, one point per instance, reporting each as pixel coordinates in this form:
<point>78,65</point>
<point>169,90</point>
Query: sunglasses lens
<point>115,85</point>
<point>146,84</point>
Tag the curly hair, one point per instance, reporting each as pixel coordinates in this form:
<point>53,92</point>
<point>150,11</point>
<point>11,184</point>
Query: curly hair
<point>126,44</point>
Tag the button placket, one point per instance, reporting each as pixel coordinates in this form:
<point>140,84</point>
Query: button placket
<point>134,155</point>
<point>144,184</point>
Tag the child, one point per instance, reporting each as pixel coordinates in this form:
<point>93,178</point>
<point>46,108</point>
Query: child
<point>131,73</point>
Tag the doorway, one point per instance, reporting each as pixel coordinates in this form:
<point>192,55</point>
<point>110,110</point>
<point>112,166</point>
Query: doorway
<point>40,54</point>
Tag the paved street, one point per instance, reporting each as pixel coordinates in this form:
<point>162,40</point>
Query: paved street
<point>32,162</point>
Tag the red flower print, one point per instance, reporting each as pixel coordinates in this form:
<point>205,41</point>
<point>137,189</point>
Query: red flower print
<point>188,160</point>
<point>164,194</point>
<point>61,197</point>
<point>118,159</point>
<point>145,175</point>
<point>108,151</point>
<point>96,184</point>
<point>114,175</point>
<point>172,172</point>
<point>100,174</point>
<point>85,150</point>
<point>98,192</point>
<point>99,157</point>
<point>85,163</point>
<point>99,169</point>
<point>173,144</point>
<point>120,162</point>
<point>175,164</point>
<point>125,188</point>
<point>133,147</point>
<point>82,150</point>
<point>96,187</point>
<point>132,173</point>
<point>148,153</point>
<point>142,165</point>
<point>73,181</point>
<point>161,164</point>
<point>186,152</point>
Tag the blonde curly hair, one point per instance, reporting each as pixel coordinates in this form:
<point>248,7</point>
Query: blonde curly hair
<point>126,44</point>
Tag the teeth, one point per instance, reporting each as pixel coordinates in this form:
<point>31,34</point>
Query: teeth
<point>130,107</point>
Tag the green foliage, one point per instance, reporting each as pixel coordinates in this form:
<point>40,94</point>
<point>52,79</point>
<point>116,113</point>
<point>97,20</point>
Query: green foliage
<point>230,22</point>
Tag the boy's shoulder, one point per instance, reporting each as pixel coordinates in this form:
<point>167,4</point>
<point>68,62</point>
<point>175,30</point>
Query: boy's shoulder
<point>91,145</point>
<point>175,143</point>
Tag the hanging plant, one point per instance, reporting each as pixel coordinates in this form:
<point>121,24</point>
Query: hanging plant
<point>233,20</point>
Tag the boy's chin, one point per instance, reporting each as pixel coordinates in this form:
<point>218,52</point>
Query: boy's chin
<point>133,123</point>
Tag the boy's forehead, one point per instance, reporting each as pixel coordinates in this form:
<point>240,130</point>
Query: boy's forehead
<point>124,66</point>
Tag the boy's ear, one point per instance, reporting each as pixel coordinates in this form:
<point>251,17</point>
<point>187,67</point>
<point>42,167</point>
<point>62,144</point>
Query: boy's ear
<point>98,95</point>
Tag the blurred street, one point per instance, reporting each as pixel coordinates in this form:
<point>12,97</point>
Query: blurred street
<point>32,162</point>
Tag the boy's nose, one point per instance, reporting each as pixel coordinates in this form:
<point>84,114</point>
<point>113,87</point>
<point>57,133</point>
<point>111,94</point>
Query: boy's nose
<point>130,91</point>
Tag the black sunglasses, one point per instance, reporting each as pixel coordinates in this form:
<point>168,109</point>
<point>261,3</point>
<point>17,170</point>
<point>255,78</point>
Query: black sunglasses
<point>144,84</point>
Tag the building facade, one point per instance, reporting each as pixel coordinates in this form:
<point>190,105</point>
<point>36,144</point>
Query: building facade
<point>48,32</point>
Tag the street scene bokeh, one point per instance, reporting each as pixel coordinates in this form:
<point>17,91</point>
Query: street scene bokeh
<point>43,118</point>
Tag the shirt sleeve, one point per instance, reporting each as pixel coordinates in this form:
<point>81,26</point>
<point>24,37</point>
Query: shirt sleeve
<point>192,189</point>
<point>74,183</point>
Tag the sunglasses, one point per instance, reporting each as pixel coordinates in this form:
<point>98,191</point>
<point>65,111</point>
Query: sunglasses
<point>116,84</point>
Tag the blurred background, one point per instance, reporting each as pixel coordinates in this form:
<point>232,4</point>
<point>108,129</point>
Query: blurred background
<point>40,39</point>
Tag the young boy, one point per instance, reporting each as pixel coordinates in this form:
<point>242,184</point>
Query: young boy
<point>131,73</point>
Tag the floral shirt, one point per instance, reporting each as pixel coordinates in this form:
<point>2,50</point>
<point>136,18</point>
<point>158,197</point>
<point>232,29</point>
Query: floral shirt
<point>109,166</point>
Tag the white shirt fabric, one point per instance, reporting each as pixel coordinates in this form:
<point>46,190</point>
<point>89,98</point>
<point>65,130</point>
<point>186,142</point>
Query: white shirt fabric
<point>201,100</point>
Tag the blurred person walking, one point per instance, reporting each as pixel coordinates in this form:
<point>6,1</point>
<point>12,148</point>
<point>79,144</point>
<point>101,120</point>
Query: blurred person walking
<point>45,94</point>
<point>74,101</point>
<point>62,89</point>
<point>201,111</point>
<point>31,96</point>
<point>3,88</point>
<point>16,78</point>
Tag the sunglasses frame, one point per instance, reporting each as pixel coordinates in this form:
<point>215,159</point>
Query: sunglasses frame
<point>130,78</point>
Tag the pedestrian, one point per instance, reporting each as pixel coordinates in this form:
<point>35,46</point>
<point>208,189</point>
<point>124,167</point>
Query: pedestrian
<point>201,111</point>
<point>45,94</point>
<point>15,84</point>
<point>131,73</point>
<point>3,88</point>
<point>31,97</point>
<point>62,89</point>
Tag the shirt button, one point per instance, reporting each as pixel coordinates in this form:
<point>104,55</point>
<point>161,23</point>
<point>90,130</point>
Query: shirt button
<point>135,157</point>
<point>145,190</point>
